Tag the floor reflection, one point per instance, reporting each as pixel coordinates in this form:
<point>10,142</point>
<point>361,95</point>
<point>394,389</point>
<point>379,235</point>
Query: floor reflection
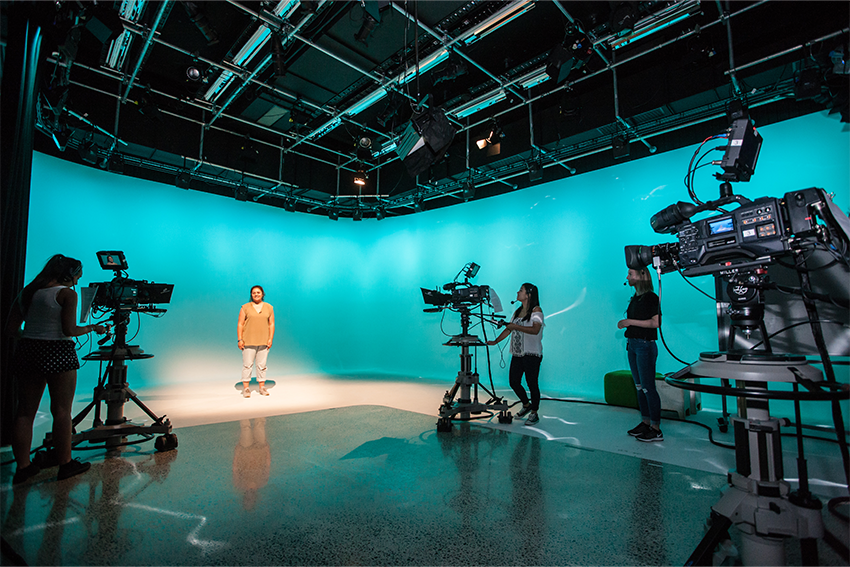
<point>252,460</point>
<point>362,485</point>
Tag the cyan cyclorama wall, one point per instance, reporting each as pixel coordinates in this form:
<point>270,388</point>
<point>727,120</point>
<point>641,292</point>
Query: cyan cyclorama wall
<point>346,294</point>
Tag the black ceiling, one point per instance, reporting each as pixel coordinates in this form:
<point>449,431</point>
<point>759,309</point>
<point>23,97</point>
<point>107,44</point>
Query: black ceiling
<point>283,125</point>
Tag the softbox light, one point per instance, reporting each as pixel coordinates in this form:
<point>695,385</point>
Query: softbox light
<point>425,140</point>
<point>105,24</point>
<point>559,64</point>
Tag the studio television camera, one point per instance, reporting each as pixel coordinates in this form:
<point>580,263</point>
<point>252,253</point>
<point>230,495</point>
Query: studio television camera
<point>123,293</point>
<point>755,234</point>
<point>737,247</point>
<point>465,298</point>
<point>460,294</point>
<point>120,298</point>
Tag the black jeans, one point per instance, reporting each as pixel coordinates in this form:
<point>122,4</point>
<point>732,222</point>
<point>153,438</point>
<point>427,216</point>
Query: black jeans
<point>530,366</point>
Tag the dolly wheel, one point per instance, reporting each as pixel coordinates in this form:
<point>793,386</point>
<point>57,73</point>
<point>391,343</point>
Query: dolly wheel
<point>167,442</point>
<point>444,425</point>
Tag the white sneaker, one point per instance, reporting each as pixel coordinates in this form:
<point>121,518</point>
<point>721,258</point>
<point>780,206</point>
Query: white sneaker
<point>246,393</point>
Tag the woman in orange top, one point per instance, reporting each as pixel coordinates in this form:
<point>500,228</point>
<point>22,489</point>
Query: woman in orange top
<point>255,331</point>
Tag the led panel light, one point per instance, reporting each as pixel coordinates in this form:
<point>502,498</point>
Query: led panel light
<point>535,79</point>
<point>253,46</point>
<point>426,64</point>
<point>480,104</point>
<point>499,19</point>
<point>366,102</point>
<point>387,148</point>
<point>657,22</point>
<point>324,129</point>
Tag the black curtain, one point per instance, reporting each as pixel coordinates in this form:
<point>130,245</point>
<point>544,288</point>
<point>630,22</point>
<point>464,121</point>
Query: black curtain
<point>18,93</point>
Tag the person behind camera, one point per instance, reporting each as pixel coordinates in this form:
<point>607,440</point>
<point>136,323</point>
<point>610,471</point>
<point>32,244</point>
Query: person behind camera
<point>46,356</point>
<point>526,331</point>
<point>643,317</point>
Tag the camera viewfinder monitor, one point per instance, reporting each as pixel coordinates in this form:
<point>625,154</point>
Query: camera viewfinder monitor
<point>112,260</point>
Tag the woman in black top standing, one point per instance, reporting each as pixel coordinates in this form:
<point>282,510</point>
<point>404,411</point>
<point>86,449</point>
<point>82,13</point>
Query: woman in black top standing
<point>643,317</point>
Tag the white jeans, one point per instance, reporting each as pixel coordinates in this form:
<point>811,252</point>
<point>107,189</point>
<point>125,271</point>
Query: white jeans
<point>250,355</point>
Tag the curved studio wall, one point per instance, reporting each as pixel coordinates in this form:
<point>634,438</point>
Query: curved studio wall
<point>346,294</point>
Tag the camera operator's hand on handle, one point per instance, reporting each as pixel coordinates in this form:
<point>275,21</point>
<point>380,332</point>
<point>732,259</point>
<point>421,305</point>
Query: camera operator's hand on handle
<point>99,329</point>
<point>503,334</point>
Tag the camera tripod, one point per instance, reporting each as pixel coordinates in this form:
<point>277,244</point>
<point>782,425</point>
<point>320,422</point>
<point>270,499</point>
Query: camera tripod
<point>113,390</point>
<point>759,501</point>
<point>467,382</point>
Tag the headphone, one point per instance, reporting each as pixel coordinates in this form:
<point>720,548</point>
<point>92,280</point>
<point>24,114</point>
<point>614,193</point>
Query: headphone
<point>72,267</point>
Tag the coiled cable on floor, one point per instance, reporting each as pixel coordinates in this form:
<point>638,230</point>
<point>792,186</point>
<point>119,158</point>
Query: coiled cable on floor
<point>710,434</point>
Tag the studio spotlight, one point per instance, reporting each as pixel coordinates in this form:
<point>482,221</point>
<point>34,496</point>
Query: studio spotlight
<point>364,145</point>
<point>61,137</point>
<point>371,18</point>
<point>456,67</point>
<point>277,56</point>
<point>289,205</point>
<point>573,53</point>
<point>807,84</point>
<point>358,214</point>
<point>360,178</point>
<point>333,214</point>
<point>620,146</point>
<point>418,205</point>
<point>623,17</point>
<point>425,140</point>
<point>115,165</point>
<point>193,73</point>
<point>366,28</point>
<point>535,172</point>
<point>88,153</point>
<point>380,213</point>
<point>241,193</point>
<point>492,140</point>
<point>183,180</point>
<point>394,102</point>
<point>201,22</point>
<point>468,190</point>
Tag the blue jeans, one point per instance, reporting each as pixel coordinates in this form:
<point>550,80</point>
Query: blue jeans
<point>642,357</point>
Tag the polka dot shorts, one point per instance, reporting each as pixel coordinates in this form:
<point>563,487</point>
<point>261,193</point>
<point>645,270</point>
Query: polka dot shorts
<point>38,357</point>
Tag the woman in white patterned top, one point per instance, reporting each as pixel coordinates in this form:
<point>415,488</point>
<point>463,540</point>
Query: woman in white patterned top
<point>526,331</point>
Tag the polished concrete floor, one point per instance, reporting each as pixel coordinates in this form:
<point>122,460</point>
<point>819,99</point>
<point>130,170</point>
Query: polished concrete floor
<point>331,471</point>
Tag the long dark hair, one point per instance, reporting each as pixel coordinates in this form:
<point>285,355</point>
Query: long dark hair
<point>60,268</point>
<point>533,300</point>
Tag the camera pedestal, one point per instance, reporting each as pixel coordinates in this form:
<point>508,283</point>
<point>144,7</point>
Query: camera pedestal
<point>467,383</point>
<point>113,390</point>
<point>758,501</point>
